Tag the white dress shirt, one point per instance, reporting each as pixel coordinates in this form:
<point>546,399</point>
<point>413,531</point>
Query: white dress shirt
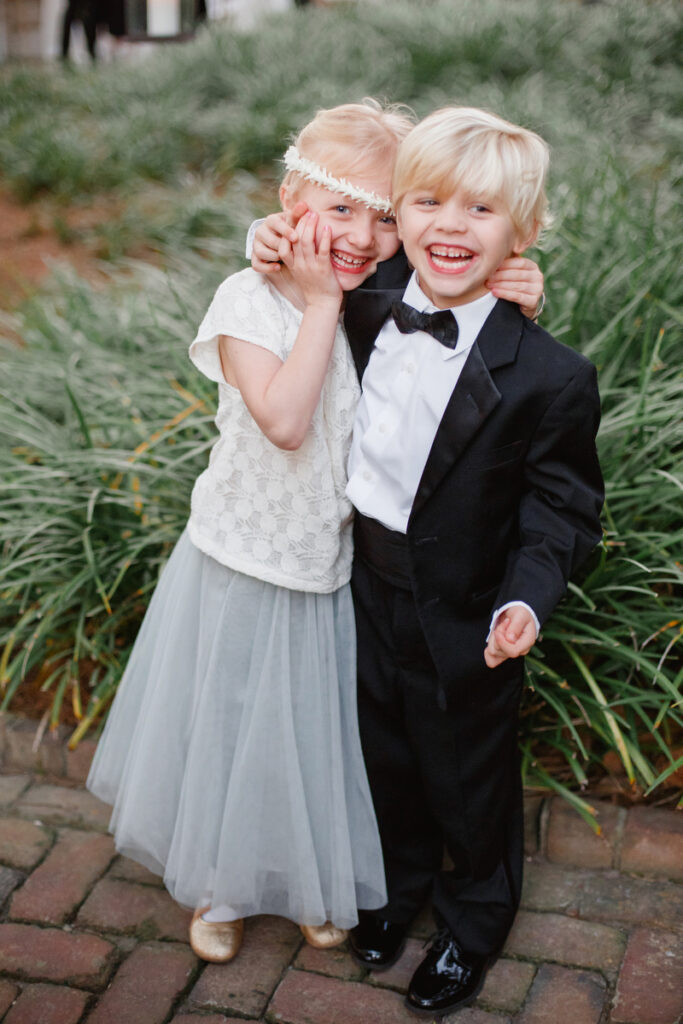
<point>406,387</point>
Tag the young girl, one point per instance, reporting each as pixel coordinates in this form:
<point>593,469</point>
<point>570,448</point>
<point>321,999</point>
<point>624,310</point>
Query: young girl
<point>231,754</point>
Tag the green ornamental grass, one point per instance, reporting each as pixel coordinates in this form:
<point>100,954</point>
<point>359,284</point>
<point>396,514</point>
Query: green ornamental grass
<point>104,424</point>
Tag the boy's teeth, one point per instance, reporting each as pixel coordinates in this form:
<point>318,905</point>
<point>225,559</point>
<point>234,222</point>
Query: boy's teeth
<point>448,256</point>
<point>443,250</point>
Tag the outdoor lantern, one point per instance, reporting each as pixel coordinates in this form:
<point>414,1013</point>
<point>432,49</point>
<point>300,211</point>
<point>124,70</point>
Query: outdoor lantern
<point>160,20</point>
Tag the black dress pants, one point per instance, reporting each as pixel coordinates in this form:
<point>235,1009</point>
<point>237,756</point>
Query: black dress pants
<point>440,777</point>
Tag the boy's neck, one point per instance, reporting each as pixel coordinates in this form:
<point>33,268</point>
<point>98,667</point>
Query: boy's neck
<point>414,283</point>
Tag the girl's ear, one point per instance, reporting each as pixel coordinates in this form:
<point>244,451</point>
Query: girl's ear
<point>288,197</point>
<point>520,246</point>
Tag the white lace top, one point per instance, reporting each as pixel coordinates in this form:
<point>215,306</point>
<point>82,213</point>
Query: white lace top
<point>278,515</point>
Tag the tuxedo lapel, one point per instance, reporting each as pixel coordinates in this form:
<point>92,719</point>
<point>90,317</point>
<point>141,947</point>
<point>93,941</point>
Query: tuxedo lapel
<point>499,338</point>
<point>364,316</point>
<point>474,397</point>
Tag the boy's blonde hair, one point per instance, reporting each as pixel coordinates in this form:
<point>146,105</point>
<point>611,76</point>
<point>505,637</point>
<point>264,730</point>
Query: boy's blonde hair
<point>465,148</point>
<point>352,139</point>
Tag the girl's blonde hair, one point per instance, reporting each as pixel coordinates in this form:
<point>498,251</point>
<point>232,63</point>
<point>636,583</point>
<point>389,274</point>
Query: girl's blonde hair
<point>352,139</point>
<point>465,148</point>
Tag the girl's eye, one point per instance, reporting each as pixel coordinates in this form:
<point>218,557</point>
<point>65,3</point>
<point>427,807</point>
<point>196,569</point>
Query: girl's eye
<point>341,208</point>
<point>388,220</point>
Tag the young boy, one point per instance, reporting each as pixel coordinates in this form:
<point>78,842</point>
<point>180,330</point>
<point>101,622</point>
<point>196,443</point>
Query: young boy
<point>475,477</point>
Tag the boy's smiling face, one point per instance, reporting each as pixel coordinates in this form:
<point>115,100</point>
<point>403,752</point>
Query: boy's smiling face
<point>455,242</point>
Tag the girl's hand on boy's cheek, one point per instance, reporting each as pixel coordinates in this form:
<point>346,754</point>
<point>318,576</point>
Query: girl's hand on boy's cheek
<point>296,213</point>
<point>518,280</point>
<point>274,238</point>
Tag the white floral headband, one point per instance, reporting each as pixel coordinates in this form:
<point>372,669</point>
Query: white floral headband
<point>294,161</point>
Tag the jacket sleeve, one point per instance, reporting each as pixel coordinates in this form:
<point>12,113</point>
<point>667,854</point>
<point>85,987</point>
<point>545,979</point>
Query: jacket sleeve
<point>559,513</point>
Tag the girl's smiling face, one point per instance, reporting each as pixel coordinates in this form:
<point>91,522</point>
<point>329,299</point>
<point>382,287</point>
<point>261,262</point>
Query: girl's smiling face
<point>361,237</point>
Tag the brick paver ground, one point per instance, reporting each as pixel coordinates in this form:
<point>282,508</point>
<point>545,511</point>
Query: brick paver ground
<point>88,936</point>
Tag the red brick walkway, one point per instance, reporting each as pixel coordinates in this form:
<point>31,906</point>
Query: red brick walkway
<point>86,935</point>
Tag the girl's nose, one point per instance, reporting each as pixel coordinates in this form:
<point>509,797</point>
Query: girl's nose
<point>361,233</point>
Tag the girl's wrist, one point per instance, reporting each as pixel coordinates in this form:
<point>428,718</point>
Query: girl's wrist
<point>325,303</point>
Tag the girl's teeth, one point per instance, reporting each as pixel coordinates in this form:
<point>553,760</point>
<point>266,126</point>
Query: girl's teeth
<point>349,259</point>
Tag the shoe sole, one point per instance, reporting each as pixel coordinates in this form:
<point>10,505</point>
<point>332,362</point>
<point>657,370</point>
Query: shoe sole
<point>419,1012</point>
<point>378,968</point>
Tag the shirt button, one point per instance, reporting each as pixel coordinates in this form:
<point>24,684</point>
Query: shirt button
<point>410,367</point>
<point>382,428</point>
<point>367,475</point>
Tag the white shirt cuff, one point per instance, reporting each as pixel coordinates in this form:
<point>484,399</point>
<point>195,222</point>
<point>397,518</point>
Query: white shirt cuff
<point>511,604</point>
<point>249,247</point>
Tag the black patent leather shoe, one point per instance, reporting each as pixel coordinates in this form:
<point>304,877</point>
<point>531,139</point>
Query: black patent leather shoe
<point>447,978</point>
<point>376,943</point>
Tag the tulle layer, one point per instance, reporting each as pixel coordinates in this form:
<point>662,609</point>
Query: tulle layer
<point>232,756</point>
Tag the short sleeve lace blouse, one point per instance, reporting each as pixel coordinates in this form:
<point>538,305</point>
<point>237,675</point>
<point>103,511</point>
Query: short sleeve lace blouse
<point>278,515</point>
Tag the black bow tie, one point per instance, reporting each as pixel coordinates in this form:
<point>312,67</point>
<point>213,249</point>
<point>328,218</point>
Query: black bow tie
<point>442,325</point>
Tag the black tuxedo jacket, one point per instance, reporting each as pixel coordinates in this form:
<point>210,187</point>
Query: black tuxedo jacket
<point>509,500</point>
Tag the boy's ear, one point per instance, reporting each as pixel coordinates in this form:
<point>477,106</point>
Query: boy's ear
<point>520,246</point>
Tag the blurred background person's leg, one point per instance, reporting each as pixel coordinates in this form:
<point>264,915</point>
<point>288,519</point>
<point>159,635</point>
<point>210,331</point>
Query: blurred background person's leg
<point>85,12</point>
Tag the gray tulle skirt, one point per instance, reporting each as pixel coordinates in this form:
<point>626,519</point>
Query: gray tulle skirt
<point>231,754</point>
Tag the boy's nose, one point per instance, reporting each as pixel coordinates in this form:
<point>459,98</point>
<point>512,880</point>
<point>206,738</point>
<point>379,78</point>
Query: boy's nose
<point>451,217</point>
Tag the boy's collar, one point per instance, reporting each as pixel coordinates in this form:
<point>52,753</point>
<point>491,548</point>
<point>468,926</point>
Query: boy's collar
<point>415,297</point>
<point>470,316</point>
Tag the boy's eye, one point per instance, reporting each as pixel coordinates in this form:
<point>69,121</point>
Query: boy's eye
<point>480,207</point>
<point>428,201</point>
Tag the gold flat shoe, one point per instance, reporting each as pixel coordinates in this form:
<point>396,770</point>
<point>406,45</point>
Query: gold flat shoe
<point>323,936</point>
<point>215,941</point>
